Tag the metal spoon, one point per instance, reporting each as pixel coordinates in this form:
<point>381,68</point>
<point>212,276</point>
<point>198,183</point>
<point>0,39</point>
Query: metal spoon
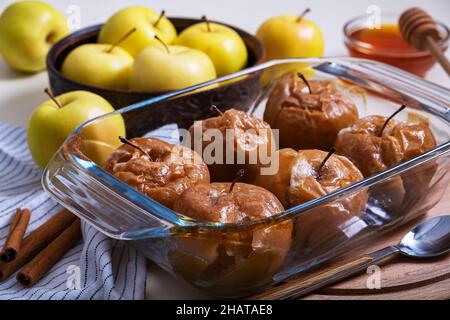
<point>429,239</point>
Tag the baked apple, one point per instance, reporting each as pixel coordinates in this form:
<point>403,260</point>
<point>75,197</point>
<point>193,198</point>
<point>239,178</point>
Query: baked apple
<point>241,259</point>
<point>242,141</point>
<point>158,169</point>
<point>308,114</point>
<point>306,175</point>
<point>375,143</point>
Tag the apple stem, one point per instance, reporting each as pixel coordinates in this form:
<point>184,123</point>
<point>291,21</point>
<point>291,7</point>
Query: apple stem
<point>215,109</point>
<point>300,17</point>
<point>161,15</point>
<point>330,153</point>
<point>163,43</point>
<point>128,142</point>
<point>390,117</point>
<point>115,44</point>
<point>239,175</point>
<point>301,76</point>
<point>52,97</point>
<point>208,26</point>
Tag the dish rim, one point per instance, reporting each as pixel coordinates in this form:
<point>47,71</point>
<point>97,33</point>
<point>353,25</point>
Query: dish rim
<point>178,220</point>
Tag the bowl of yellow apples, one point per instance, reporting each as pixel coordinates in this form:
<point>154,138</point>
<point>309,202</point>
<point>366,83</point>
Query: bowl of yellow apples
<point>139,54</point>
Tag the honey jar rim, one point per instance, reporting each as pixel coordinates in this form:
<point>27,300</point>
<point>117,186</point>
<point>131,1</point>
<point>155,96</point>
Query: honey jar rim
<point>369,49</point>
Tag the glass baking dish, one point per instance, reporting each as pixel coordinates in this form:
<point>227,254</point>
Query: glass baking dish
<point>235,260</point>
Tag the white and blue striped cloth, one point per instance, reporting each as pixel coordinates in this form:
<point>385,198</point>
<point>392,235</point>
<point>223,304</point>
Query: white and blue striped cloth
<point>107,268</point>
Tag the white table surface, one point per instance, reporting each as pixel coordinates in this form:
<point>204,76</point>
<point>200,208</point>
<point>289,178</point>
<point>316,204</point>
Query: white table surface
<point>20,94</point>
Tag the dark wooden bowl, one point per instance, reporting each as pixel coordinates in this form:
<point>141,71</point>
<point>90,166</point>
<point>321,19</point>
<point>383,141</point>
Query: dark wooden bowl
<point>185,110</point>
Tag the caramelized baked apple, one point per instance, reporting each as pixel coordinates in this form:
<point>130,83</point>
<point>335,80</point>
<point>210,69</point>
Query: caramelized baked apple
<point>306,175</point>
<point>373,151</point>
<point>375,143</point>
<point>158,169</point>
<point>241,259</point>
<point>308,115</point>
<point>243,139</point>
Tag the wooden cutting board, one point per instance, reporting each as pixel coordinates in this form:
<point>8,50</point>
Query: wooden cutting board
<point>401,277</point>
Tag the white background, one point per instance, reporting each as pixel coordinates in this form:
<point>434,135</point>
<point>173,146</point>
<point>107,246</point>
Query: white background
<point>20,94</point>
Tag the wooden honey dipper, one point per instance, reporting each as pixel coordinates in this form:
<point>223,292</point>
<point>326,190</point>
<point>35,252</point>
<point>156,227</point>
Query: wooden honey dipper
<point>421,32</point>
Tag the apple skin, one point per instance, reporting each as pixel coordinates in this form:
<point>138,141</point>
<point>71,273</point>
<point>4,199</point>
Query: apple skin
<point>222,44</point>
<point>141,18</point>
<point>155,69</point>
<point>28,29</point>
<point>91,64</point>
<point>284,37</point>
<point>50,125</point>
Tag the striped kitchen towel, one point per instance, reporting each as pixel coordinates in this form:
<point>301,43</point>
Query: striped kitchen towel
<point>96,268</point>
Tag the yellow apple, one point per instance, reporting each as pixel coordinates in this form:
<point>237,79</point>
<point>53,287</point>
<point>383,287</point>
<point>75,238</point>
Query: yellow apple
<point>222,44</point>
<point>147,23</point>
<point>100,65</point>
<point>279,70</point>
<point>290,36</point>
<point>164,68</point>
<point>28,29</point>
<point>54,120</point>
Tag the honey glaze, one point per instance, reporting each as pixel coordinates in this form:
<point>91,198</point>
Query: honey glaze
<point>386,44</point>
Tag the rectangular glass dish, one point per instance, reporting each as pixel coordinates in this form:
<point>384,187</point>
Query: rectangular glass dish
<point>235,260</point>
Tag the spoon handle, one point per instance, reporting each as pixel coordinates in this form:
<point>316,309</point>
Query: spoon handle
<point>304,285</point>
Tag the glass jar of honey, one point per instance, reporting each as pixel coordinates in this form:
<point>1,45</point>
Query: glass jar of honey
<point>381,40</point>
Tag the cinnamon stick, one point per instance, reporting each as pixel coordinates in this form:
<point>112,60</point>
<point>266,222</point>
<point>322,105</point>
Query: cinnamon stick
<point>47,258</point>
<point>16,232</point>
<point>37,241</point>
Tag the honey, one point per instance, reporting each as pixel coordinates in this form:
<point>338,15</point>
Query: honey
<point>386,44</point>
